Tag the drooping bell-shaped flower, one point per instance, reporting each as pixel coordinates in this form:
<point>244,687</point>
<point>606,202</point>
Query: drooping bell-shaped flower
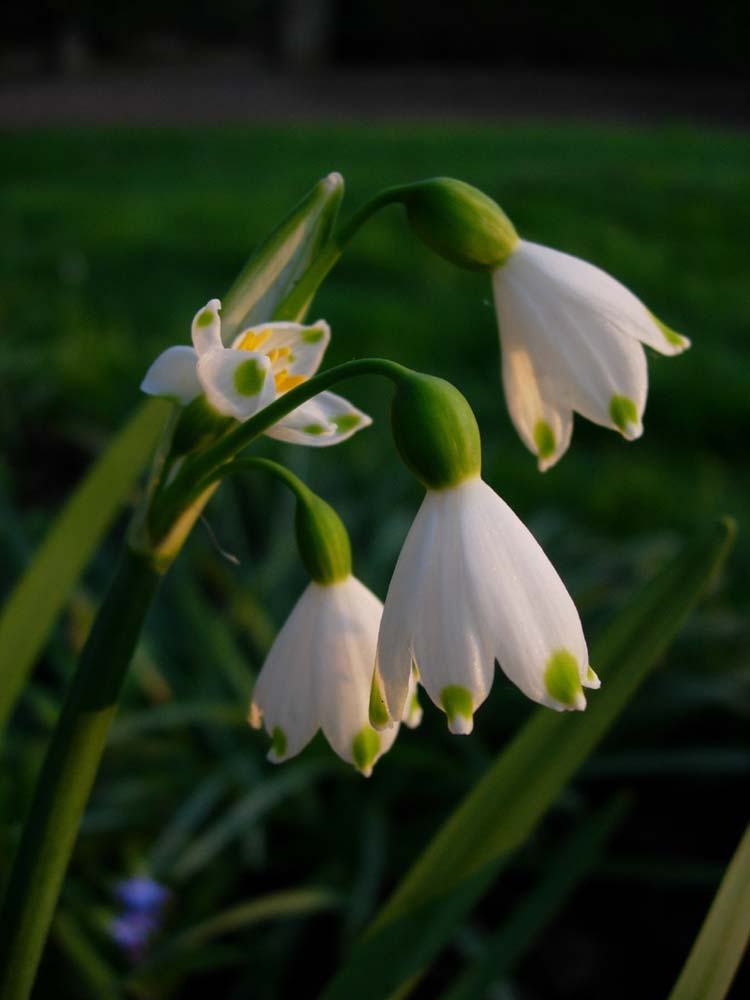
<point>318,672</point>
<point>572,341</point>
<point>263,363</point>
<point>571,335</point>
<point>472,585</point>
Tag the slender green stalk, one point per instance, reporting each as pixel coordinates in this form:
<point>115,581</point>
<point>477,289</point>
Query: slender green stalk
<point>296,301</point>
<point>68,773</point>
<point>197,473</point>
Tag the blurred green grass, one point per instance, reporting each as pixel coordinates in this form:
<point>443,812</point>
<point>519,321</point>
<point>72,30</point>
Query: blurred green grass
<point>113,238</point>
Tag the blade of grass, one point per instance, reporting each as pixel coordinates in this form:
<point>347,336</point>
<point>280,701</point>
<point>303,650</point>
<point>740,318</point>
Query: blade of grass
<point>515,937</point>
<point>95,977</point>
<point>723,938</point>
<point>38,597</point>
<point>286,904</point>
<point>248,810</point>
<point>501,811</point>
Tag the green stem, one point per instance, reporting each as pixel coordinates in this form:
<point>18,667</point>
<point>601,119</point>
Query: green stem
<point>294,305</point>
<point>68,773</point>
<point>197,472</point>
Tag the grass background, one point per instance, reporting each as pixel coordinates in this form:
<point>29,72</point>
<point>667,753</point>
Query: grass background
<point>110,241</point>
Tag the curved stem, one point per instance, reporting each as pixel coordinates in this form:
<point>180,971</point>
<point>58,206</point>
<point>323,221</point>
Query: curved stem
<point>190,480</point>
<point>278,471</point>
<point>295,303</point>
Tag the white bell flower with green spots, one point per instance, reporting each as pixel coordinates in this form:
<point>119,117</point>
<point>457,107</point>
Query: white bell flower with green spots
<point>472,586</point>
<point>572,340</point>
<point>317,676</point>
<point>263,363</point>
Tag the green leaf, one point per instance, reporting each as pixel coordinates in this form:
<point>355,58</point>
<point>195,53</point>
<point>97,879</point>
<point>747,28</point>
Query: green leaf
<point>95,978</point>
<point>723,938</point>
<point>39,596</point>
<point>568,867</point>
<point>501,811</point>
<point>279,263</point>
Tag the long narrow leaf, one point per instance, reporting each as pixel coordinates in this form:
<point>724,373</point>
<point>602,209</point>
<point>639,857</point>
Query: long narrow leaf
<point>501,811</point>
<point>723,938</point>
<point>39,596</point>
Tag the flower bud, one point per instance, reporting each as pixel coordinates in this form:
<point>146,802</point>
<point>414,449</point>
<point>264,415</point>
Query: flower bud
<point>322,539</point>
<point>460,223</point>
<point>435,431</point>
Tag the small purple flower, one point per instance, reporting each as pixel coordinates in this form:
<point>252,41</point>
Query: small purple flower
<point>141,894</point>
<point>132,932</point>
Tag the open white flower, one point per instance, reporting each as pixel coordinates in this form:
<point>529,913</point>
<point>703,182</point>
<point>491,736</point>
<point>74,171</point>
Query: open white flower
<point>263,363</point>
<point>571,339</point>
<point>317,676</point>
<point>472,586</point>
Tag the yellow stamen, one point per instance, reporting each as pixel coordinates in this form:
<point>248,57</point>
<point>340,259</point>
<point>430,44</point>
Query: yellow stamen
<point>285,382</point>
<point>276,353</point>
<point>251,340</point>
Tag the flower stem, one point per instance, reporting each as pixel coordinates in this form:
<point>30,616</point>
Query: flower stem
<point>196,473</point>
<point>294,305</point>
<point>68,773</point>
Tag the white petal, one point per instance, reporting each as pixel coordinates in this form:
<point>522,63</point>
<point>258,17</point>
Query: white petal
<point>584,360</point>
<point>622,310</point>
<point>173,375</point>
<point>544,425</point>
<point>284,696</point>
<point>324,420</point>
<point>455,662</point>
<point>236,383</point>
<point>292,347</point>
<point>206,328</point>
<point>343,659</point>
<point>521,603</point>
<point>415,565</point>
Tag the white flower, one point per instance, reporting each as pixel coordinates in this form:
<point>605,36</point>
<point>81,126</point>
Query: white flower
<point>263,363</point>
<point>571,339</point>
<point>317,675</point>
<point>471,586</point>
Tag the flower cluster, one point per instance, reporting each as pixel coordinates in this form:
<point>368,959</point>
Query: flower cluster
<point>472,588</point>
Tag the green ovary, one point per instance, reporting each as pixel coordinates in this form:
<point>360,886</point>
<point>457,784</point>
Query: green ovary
<point>365,748</point>
<point>457,700</point>
<point>623,412</point>
<point>561,677</point>
<point>278,741</point>
<point>249,377</point>
<point>544,439</point>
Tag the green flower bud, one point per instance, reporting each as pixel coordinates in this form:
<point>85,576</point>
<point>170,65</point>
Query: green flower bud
<point>435,431</point>
<point>322,539</point>
<point>460,223</point>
